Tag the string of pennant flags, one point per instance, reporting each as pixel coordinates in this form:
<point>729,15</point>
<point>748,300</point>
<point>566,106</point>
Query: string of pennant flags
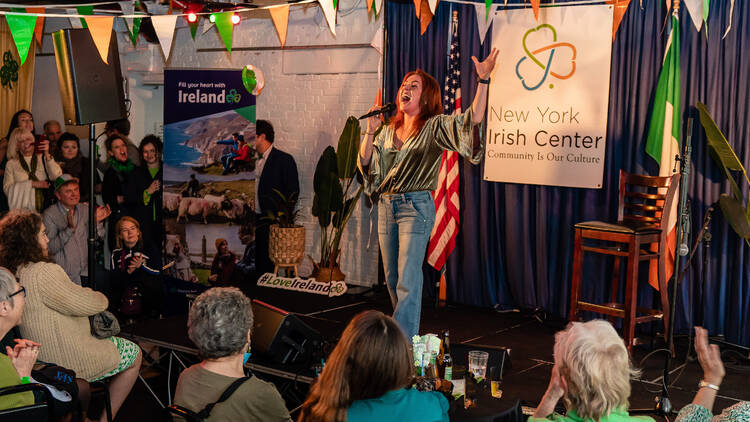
<point>27,23</point>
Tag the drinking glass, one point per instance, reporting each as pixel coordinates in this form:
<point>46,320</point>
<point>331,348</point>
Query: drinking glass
<point>478,364</point>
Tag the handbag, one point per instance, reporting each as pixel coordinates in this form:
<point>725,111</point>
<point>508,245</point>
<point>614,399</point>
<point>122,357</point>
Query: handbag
<point>104,325</point>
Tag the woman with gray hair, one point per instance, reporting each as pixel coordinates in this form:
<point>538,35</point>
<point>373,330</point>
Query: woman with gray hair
<point>591,374</point>
<point>220,324</point>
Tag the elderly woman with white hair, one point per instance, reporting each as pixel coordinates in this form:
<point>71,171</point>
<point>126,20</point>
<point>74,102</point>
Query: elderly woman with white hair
<point>220,324</point>
<point>592,375</point>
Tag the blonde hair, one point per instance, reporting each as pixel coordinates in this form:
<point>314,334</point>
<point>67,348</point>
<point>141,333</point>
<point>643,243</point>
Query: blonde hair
<point>127,219</point>
<point>594,362</point>
<point>14,140</point>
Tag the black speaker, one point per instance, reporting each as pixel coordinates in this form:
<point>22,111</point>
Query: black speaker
<point>91,90</point>
<point>283,336</point>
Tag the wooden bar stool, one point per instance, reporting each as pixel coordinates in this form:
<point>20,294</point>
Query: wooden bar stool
<point>644,202</point>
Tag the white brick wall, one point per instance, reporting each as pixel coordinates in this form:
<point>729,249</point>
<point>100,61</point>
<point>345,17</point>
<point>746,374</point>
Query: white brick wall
<point>308,95</point>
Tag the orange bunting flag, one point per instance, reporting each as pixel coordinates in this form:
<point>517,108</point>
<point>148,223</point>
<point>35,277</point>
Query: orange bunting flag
<point>39,28</point>
<point>280,17</point>
<point>100,28</point>
<point>417,7</point>
<point>379,103</point>
<point>620,7</point>
<point>535,6</point>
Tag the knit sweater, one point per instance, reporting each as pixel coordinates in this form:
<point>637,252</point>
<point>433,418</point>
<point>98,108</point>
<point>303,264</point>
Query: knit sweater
<point>56,315</point>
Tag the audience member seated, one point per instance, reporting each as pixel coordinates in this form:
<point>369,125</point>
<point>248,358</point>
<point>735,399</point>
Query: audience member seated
<point>700,410</point>
<point>57,310</point>
<point>130,267</point>
<point>29,171</point>
<point>23,119</point>
<point>143,196</point>
<point>17,362</point>
<point>67,224</point>
<point>368,377</point>
<point>116,179</point>
<point>53,130</point>
<point>72,162</point>
<point>223,265</point>
<point>592,374</point>
<point>245,271</point>
<point>220,324</point>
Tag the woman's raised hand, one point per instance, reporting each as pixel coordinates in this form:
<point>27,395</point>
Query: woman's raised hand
<point>709,357</point>
<point>484,68</point>
<point>373,121</point>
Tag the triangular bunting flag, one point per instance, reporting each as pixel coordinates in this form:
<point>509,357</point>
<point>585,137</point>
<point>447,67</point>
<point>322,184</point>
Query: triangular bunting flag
<point>417,7</point>
<point>487,6</point>
<point>133,25</point>
<point>483,24</point>
<point>164,28</point>
<point>379,103</point>
<point>85,10</point>
<point>194,26</point>
<point>620,7</point>
<point>369,5</point>
<point>433,5</point>
<point>100,28</point>
<point>225,26</point>
<point>535,6</point>
<point>330,13</point>
<point>136,30</point>
<point>39,27</point>
<point>695,10</point>
<point>76,21</point>
<point>706,9</point>
<point>731,13</point>
<point>22,30</point>
<point>377,4</point>
<point>425,17</point>
<point>377,40</point>
<point>280,17</point>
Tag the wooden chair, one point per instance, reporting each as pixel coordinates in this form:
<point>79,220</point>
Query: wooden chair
<point>641,221</point>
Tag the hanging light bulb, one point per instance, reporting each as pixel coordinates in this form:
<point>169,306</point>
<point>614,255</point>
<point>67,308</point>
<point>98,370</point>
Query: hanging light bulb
<point>192,17</point>
<point>212,18</point>
<point>235,18</point>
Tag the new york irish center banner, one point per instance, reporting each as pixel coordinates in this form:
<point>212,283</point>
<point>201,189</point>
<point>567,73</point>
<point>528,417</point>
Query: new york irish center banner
<point>548,98</point>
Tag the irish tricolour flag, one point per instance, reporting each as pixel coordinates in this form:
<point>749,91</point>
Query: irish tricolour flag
<point>663,141</point>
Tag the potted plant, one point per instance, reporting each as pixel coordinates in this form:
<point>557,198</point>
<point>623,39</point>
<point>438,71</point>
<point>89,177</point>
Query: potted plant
<point>336,196</point>
<point>286,240</point>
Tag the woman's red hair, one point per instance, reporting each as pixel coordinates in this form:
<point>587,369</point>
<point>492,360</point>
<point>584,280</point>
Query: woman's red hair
<point>430,103</point>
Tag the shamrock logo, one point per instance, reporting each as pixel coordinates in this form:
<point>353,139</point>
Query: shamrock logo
<point>233,96</point>
<point>532,55</point>
<point>9,71</point>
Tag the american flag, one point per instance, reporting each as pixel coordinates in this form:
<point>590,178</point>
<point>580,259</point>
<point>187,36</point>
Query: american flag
<point>443,237</point>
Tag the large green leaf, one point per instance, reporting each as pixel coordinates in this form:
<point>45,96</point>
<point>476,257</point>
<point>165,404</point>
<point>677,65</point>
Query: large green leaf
<point>329,195</point>
<point>347,150</point>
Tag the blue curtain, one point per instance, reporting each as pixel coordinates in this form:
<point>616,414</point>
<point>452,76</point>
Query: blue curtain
<point>514,247</point>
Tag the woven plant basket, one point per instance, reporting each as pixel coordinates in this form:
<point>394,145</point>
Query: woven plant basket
<point>286,246</point>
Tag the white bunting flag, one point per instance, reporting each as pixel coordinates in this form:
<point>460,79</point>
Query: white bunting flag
<point>484,24</point>
<point>377,40</point>
<point>164,27</point>
<point>433,5</point>
<point>330,14</point>
<point>695,9</point>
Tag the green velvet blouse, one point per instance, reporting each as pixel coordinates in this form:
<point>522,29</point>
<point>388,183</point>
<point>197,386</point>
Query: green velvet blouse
<point>415,166</point>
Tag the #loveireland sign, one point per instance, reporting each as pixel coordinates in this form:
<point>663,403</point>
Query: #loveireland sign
<point>548,99</point>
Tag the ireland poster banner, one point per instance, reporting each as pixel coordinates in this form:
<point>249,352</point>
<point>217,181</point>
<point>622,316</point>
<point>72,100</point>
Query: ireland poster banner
<point>548,98</point>
<point>209,186</point>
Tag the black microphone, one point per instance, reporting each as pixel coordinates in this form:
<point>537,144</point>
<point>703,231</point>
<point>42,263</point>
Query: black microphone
<point>385,109</point>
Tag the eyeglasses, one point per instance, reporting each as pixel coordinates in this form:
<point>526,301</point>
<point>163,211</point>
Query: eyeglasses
<point>21,290</point>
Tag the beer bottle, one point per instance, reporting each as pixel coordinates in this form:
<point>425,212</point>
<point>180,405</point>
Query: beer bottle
<point>446,360</point>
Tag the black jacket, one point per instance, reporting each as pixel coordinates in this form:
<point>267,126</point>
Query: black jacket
<point>280,173</point>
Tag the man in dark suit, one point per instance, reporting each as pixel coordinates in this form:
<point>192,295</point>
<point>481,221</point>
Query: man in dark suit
<point>274,170</point>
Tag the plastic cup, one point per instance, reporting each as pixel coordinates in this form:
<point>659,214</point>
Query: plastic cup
<point>495,389</point>
<point>478,364</point>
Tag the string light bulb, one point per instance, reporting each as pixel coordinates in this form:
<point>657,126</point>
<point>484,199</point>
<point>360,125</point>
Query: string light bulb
<point>192,17</point>
<point>212,18</point>
<point>235,18</point>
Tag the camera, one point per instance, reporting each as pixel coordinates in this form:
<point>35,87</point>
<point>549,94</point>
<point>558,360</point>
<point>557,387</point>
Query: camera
<point>38,143</point>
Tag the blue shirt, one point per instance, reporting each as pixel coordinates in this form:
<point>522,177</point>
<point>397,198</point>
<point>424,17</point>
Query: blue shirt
<point>405,404</point>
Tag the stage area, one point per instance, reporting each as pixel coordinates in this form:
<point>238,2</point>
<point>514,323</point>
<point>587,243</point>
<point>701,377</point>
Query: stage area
<point>529,335</point>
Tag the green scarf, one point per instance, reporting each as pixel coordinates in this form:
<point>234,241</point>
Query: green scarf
<point>125,168</point>
<point>38,193</point>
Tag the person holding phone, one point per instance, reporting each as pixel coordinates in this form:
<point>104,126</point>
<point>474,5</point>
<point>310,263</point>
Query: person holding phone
<point>29,171</point>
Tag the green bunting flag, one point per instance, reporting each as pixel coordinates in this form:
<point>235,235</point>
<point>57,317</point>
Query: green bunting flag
<point>133,32</point>
<point>85,10</point>
<point>22,30</point>
<point>194,27</point>
<point>226,27</point>
<point>335,4</point>
<point>488,6</point>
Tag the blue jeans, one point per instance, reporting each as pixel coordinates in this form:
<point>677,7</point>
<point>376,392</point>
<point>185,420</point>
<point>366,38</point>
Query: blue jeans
<point>226,159</point>
<point>404,225</point>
